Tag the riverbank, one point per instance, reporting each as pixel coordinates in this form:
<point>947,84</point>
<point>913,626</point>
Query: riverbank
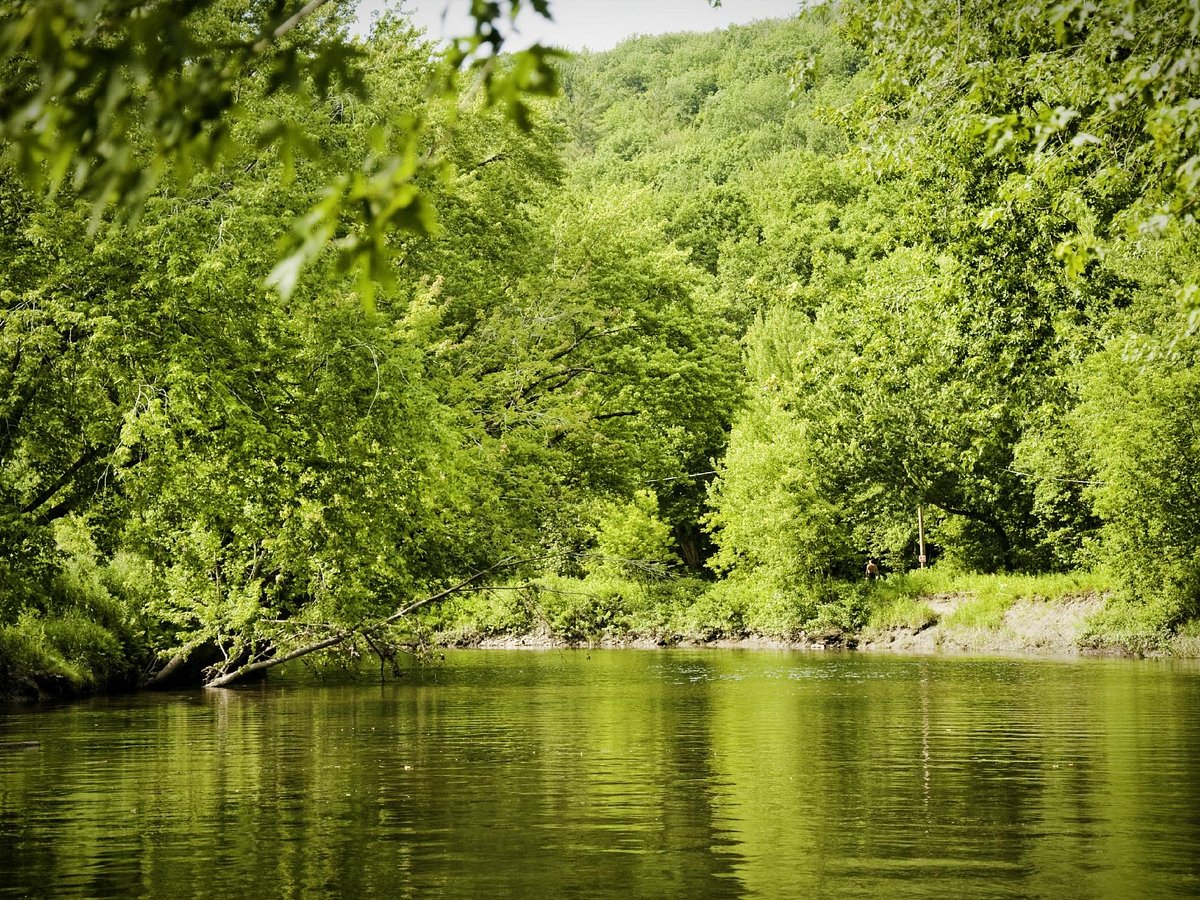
<point>1032,628</point>
<point>920,613</point>
<point>1029,626</point>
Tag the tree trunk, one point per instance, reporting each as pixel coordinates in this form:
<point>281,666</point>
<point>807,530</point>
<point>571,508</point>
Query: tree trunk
<point>164,677</point>
<point>262,665</point>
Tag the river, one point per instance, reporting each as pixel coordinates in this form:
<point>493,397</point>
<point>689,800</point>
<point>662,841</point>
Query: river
<point>675,773</point>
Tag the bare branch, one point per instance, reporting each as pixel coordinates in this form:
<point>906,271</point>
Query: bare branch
<point>305,11</point>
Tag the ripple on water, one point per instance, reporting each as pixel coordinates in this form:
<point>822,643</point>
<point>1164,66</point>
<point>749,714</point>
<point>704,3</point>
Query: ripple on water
<point>680,773</point>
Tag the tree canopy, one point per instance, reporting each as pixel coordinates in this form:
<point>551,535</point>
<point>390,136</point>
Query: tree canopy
<point>299,329</point>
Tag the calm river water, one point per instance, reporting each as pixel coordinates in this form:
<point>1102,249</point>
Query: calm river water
<point>716,773</point>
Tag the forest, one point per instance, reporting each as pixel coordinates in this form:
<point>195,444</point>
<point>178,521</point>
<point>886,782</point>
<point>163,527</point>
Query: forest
<point>363,344</point>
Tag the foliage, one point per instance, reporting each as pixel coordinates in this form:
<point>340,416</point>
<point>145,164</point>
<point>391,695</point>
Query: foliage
<point>902,612</point>
<point>112,96</point>
<point>245,469</point>
<point>59,655</point>
<point>1138,417</point>
<point>771,512</point>
<point>952,354</point>
<point>632,539</point>
<point>1132,627</point>
<point>735,307</point>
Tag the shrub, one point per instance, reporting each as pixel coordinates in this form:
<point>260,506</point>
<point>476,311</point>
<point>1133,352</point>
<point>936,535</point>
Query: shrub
<point>718,612</point>
<point>53,656</point>
<point>901,612</point>
<point>1134,626</point>
<point>631,540</point>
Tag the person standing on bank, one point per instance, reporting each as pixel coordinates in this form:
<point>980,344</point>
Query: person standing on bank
<point>872,570</point>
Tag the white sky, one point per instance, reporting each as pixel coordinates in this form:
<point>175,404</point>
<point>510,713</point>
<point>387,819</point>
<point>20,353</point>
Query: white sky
<point>592,24</point>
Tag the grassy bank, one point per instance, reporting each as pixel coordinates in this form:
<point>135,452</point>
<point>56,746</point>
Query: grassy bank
<point>922,611</point>
<point>84,639</point>
<point>43,657</point>
<point>79,631</point>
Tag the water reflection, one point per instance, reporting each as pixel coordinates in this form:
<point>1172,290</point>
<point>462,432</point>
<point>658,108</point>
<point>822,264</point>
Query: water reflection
<point>714,773</point>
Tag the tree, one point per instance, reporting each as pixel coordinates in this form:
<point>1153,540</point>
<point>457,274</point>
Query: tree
<point>111,96</point>
<point>274,468</point>
<point>273,464</point>
<point>1054,136</point>
<point>1138,439</point>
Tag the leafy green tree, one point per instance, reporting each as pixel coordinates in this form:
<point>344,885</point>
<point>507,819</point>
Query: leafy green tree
<point>772,513</point>
<point>279,464</point>
<point>632,540</point>
<point>1043,131</point>
<point>111,96</point>
<point>1138,439</point>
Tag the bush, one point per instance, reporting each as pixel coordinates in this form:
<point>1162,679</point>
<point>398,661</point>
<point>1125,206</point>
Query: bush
<point>29,666</point>
<point>42,656</point>
<point>75,631</point>
<point>901,612</point>
<point>843,610</point>
<point>1186,641</point>
<point>472,616</point>
<point>578,610</point>
<point>718,612</point>
<point>631,540</point>
<point>1132,626</point>
<point>1138,425</point>
<point>90,647</point>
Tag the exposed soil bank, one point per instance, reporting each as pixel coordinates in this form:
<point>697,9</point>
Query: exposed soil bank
<point>1030,625</point>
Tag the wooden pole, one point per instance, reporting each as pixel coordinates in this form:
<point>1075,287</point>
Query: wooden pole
<point>921,534</point>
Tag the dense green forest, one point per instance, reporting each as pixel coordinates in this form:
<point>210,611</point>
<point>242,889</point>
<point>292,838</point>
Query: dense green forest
<point>673,351</point>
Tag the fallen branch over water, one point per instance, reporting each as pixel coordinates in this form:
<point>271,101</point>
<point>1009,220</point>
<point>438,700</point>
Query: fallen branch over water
<point>178,661</point>
<point>343,635</point>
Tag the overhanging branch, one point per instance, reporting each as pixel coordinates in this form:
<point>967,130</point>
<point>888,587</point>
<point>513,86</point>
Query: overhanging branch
<point>346,634</point>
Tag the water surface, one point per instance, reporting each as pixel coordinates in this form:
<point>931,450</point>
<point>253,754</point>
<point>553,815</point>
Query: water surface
<point>715,773</point>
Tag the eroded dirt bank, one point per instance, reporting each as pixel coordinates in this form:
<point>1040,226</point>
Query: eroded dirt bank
<point>1030,625</point>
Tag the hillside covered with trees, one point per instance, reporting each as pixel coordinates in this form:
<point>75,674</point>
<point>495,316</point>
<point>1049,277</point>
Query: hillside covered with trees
<point>672,352</point>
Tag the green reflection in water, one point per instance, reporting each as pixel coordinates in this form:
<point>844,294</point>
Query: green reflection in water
<point>673,773</point>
